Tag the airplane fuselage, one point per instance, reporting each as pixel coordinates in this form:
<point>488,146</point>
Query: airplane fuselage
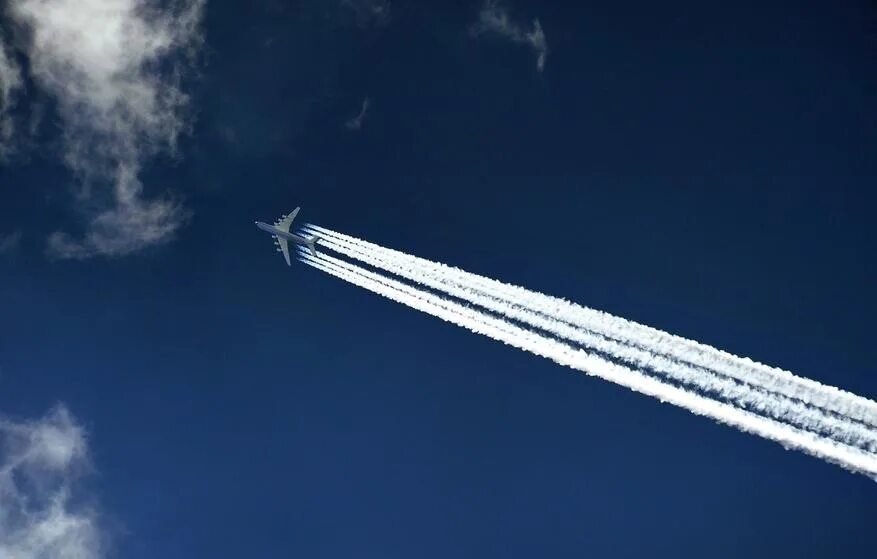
<point>282,235</point>
<point>292,237</point>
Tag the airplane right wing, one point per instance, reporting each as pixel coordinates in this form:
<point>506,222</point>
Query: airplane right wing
<point>286,221</point>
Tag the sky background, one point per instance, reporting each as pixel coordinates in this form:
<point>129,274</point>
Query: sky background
<point>705,169</point>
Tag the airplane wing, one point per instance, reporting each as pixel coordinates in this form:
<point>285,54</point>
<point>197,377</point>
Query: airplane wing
<point>284,248</point>
<point>285,222</point>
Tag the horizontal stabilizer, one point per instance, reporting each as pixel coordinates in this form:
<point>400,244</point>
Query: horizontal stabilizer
<point>312,244</point>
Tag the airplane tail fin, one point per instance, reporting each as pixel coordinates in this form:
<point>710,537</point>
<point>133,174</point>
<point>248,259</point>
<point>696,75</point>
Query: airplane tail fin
<point>312,244</point>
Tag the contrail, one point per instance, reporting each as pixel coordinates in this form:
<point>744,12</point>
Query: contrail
<point>502,330</point>
<point>777,406</point>
<point>655,341</point>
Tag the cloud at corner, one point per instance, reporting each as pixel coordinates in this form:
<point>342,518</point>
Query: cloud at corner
<point>494,19</point>
<point>10,83</point>
<point>115,70</point>
<point>42,513</point>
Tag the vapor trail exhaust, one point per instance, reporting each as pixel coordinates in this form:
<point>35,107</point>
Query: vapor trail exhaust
<point>702,380</point>
<point>804,390</point>
<point>501,329</point>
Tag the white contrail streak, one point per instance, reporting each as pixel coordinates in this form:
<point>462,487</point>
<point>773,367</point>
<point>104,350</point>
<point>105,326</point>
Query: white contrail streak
<point>755,399</point>
<point>501,330</point>
<point>655,341</point>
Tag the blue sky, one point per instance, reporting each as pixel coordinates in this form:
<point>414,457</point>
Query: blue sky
<point>704,169</point>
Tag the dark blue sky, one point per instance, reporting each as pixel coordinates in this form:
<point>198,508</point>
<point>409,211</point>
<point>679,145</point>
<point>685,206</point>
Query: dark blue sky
<point>706,169</point>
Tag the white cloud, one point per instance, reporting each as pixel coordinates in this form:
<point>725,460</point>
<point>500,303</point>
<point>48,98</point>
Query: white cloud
<point>369,13</point>
<point>9,243</point>
<point>130,225</point>
<point>114,68</point>
<point>494,18</point>
<point>40,517</point>
<point>355,123</point>
<point>10,83</point>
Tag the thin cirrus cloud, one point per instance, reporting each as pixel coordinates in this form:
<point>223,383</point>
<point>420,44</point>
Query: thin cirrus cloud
<point>9,242</point>
<point>41,463</point>
<point>355,123</point>
<point>494,19</point>
<point>114,69</point>
<point>369,13</point>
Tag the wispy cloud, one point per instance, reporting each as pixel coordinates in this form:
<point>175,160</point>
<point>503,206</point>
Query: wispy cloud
<point>369,13</point>
<point>494,18</point>
<point>10,83</point>
<point>40,511</point>
<point>355,123</point>
<point>114,68</point>
<point>9,242</point>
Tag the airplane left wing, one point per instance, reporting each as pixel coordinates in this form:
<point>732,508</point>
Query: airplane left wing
<point>284,248</point>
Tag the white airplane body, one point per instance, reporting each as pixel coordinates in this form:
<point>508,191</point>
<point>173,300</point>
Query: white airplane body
<point>282,236</point>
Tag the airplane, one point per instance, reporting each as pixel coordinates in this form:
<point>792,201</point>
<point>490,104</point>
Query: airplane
<point>282,236</point>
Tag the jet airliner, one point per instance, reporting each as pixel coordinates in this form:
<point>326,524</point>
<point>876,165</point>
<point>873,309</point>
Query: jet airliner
<point>282,236</point>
